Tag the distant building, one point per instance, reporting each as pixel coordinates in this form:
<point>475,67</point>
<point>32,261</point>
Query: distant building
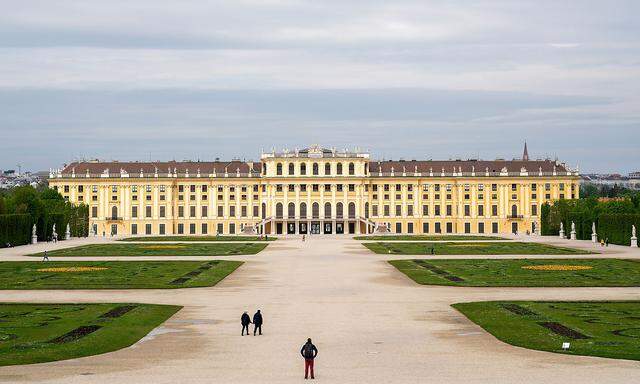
<point>315,190</point>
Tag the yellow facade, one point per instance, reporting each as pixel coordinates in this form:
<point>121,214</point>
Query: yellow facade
<point>315,190</point>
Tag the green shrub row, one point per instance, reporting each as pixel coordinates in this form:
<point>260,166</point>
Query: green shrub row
<point>15,229</point>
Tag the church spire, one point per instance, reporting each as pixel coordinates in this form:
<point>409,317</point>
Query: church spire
<point>525,154</point>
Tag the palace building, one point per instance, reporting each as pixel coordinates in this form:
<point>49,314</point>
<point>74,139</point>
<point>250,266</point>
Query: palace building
<point>313,191</point>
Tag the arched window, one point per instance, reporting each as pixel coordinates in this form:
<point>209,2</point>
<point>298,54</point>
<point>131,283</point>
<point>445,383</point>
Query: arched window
<point>264,169</point>
<point>291,211</point>
<point>315,210</point>
<point>279,169</point>
<point>303,169</point>
<point>264,210</point>
<point>291,169</point>
<point>114,212</point>
<point>514,210</point>
<point>315,169</point>
<point>327,168</point>
<point>366,209</point>
<point>327,210</point>
<point>339,169</point>
<point>352,169</point>
<point>279,211</point>
<point>303,210</point>
<point>339,210</point>
<point>352,210</point>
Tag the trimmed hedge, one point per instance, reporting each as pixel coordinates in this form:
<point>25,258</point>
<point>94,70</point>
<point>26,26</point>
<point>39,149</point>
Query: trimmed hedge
<point>15,229</point>
<point>617,228</point>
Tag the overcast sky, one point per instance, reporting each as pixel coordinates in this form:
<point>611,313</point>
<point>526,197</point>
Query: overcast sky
<point>191,79</point>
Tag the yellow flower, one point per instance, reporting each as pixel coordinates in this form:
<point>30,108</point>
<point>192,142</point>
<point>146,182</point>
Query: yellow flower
<point>72,269</point>
<point>557,267</point>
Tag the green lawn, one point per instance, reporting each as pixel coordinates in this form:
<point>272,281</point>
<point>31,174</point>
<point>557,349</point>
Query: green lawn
<point>429,237</point>
<point>471,248</point>
<point>594,328</point>
<point>37,333</point>
<point>515,272</point>
<point>113,274</point>
<point>198,238</point>
<point>172,249</point>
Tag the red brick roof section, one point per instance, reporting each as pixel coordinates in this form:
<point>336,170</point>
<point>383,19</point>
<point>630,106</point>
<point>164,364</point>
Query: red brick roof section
<point>163,167</point>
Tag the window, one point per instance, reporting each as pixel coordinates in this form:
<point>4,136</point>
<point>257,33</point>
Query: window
<point>315,169</point>
<point>220,228</point>
<point>352,187</point>
<point>398,210</point>
<point>494,227</point>
<point>374,210</point>
<point>303,169</point>
<point>339,169</point>
<point>339,187</point>
<point>449,209</point>
<point>425,210</point>
<point>303,187</point>
<point>327,168</point>
<point>494,187</point>
<point>114,188</point>
<point>303,210</point>
<point>134,229</point>
<point>480,227</point>
<point>291,169</point>
<point>467,227</point>
<point>163,211</point>
<point>409,210</point>
<point>449,227</point>
<point>232,211</point>
<point>327,187</point>
<point>192,211</point>
<point>292,188</point>
<point>514,211</point>
<point>352,169</point>
<point>204,211</point>
<point>339,210</point>
<point>161,229</point>
<point>437,210</point>
<point>94,188</point>
<point>425,227</point>
<point>180,188</point>
<point>147,229</point>
<point>204,228</point>
<point>438,228</point>
<point>494,210</point>
<point>192,229</point>
<point>467,210</point>
<point>398,227</point>
<point>181,211</point>
<point>180,229</point>
<point>256,211</point>
<point>480,210</point>
<point>315,187</point>
<point>398,187</point>
<point>134,211</point>
<point>114,212</point>
<point>327,210</point>
<point>94,211</point>
<point>352,210</point>
<point>279,211</point>
<point>220,210</point>
<point>291,211</point>
<point>147,211</point>
<point>386,210</point>
<point>232,228</point>
<point>514,187</point>
<point>534,210</point>
<point>279,169</point>
<point>279,188</point>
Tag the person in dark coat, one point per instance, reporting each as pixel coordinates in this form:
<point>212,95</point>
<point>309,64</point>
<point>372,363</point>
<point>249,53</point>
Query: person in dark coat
<point>257,323</point>
<point>309,353</point>
<point>245,320</point>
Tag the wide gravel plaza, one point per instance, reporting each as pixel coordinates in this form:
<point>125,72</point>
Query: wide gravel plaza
<point>371,323</point>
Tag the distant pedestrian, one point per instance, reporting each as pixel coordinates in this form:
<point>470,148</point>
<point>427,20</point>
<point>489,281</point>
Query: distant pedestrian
<point>45,257</point>
<point>433,251</point>
<point>257,323</point>
<point>266,237</point>
<point>245,320</point>
<point>303,238</point>
<point>309,353</point>
<point>606,242</point>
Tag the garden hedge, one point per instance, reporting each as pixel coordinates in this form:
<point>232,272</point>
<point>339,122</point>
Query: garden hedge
<point>15,229</point>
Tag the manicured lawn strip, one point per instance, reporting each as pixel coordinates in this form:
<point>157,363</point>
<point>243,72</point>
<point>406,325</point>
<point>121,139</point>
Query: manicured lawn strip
<point>610,328</point>
<point>470,248</point>
<point>117,275</point>
<point>429,237</point>
<point>510,272</point>
<point>197,238</point>
<point>173,249</point>
<point>37,333</point>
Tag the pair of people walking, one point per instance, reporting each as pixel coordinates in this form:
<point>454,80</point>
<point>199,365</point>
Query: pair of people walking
<point>245,320</point>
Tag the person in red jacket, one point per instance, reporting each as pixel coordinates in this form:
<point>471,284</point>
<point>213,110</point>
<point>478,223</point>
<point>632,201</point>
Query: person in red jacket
<point>309,353</point>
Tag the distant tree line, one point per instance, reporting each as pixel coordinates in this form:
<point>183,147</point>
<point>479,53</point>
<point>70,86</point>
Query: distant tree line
<point>605,190</point>
<point>613,218</point>
<point>21,207</point>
